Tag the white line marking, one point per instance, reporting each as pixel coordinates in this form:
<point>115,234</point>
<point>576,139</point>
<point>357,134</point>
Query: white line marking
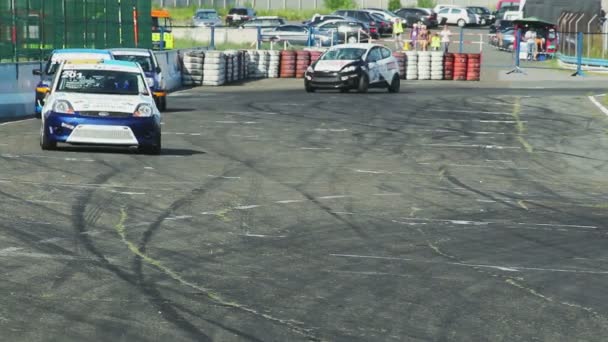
<point>388,194</point>
<point>14,122</point>
<point>333,196</point>
<point>468,111</point>
<point>497,267</point>
<point>331,129</point>
<point>598,104</point>
<point>224,177</point>
<point>379,172</point>
<point>148,168</point>
<point>497,147</point>
<point>128,193</point>
<point>478,223</point>
<point>315,148</point>
<point>290,201</point>
<point>247,207</point>
<point>264,236</point>
<point>181,217</point>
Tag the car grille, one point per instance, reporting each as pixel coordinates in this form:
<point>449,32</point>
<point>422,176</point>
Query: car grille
<point>105,114</point>
<point>93,133</point>
<point>97,134</point>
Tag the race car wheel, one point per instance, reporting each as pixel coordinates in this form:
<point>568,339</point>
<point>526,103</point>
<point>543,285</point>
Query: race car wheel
<point>45,142</point>
<point>395,85</point>
<point>152,149</point>
<point>363,84</point>
<point>309,88</point>
<point>162,104</point>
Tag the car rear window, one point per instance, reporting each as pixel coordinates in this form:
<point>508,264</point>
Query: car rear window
<point>239,11</point>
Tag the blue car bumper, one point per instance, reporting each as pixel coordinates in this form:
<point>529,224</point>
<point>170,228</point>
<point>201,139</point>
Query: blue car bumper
<point>126,131</point>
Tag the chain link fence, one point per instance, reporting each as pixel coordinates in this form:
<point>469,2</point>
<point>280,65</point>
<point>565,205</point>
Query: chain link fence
<point>30,29</point>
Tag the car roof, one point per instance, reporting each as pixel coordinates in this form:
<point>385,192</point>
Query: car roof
<point>99,51</point>
<point>103,65</point>
<point>366,46</point>
<point>130,51</point>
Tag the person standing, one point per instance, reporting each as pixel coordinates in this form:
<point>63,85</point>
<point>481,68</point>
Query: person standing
<point>397,32</point>
<point>423,36</point>
<point>445,38</point>
<point>435,42</point>
<point>414,37</point>
<point>530,38</point>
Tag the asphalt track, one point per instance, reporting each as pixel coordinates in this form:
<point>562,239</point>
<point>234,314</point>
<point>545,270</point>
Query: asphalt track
<point>439,214</point>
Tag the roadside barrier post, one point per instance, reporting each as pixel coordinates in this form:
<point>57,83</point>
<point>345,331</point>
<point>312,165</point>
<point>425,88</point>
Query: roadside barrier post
<point>259,40</point>
<point>517,69</point>
<point>461,40</point>
<point>162,38</point>
<point>212,38</point>
<point>309,43</point>
<point>579,55</point>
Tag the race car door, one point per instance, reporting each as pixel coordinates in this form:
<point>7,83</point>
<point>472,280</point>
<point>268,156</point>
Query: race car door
<point>374,58</point>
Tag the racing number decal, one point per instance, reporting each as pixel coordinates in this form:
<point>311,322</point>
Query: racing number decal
<point>71,74</point>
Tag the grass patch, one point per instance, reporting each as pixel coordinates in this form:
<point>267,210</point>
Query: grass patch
<point>605,100</point>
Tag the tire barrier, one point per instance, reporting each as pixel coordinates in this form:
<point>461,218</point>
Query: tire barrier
<point>252,63</point>
<point>288,64</point>
<point>411,70</point>
<point>437,60</point>
<point>315,55</point>
<point>273,63</point>
<point>262,70</point>
<point>302,63</point>
<point>474,67</point>
<point>448,66</point>
<point>401,60</point>
<point>214,69</point>
<point>460,66</point>
<point>229,72</point>
<point>424,65</point>
<point>192,68</point>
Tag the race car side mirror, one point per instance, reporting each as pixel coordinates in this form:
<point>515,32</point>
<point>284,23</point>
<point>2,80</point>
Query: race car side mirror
<point>36,72</point>
<point>158,70</point>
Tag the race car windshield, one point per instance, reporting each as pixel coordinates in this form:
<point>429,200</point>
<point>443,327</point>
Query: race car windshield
<point>348,54</point>
<point>144,61</point>
<point>102,82</point>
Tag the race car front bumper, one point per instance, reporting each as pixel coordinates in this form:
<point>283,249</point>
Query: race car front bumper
<point>332,80</point>
<point>124,131</point>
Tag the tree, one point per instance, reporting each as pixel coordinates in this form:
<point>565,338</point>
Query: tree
<point>426,3</point>
<point>394,5</point>
<point>339,4</point>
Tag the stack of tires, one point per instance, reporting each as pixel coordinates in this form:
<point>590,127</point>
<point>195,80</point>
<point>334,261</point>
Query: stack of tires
<point>252,64</point>
<point>273,63</point>
<point>262,68</point>
<point>448,66</point>
<point>288,64</point>
<point>214,68</point>
<point>243,65</point>
<point>460,66</point>
<point>192,71</point>
<point>228,55</point>
<point>411,62</point>
<point>474,67</point>
<point>424,65</point>
<point>302,63</point>
<point>437,65</point>
<point>315,55</point>
<point>401,59</point>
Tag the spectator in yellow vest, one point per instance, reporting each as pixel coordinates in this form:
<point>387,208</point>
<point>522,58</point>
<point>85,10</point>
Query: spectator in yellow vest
<point>435,42</point>
<point>397,32</point>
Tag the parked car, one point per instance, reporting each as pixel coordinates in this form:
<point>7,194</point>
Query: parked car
<point>384,26</point>
<point>364,17</point>
<point>239,15</point>
<point>299,35</point>
<point>386,14</point>
<point>148,62</point>
<point>317,19</point>
<point>354,66</point>
<point>487,17</point>
<point>500,25</point>
<point>264,22</point>
<point>438,8</point>
<point>457,15</point>
<point>415,15</point>
<point>344,31</point>
<point>500,14</point>
<point>206,18</point>
<point>504,40</point>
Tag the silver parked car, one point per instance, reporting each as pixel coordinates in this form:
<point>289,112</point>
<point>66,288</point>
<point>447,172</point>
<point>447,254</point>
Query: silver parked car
<point>206,17</point>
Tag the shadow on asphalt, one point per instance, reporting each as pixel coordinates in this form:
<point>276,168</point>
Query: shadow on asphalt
<point>174,152</point>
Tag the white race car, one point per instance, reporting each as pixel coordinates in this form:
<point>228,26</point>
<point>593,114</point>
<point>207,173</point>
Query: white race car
<point>354,66</point>
<point>101,103</point>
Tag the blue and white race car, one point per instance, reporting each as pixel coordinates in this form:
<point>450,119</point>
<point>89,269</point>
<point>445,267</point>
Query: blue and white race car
<point>104,102</point>
<point>57,56</point>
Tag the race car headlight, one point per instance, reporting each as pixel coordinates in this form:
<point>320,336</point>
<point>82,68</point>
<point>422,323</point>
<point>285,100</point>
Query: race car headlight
<point>63,107</point>
<point>144,110</point>
<point>150,81</point>
<point>310,70</point>
<point>350,69</point>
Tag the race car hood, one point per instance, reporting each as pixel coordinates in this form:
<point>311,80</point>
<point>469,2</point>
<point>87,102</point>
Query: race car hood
<point>331,65</point>
<point>102,102</point>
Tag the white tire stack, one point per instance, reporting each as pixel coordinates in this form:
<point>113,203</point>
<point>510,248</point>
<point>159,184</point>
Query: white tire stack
<point>424,65</point>
<point>254,59</point>
<point>192,71</point>
<point>273,63</point>
<point>214,69</point>
<point>411,69</point>
<point>262,68</point>
<point>437,65</point>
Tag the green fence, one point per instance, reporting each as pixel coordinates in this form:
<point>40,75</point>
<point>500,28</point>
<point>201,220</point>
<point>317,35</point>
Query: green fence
<point>30,29</point>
